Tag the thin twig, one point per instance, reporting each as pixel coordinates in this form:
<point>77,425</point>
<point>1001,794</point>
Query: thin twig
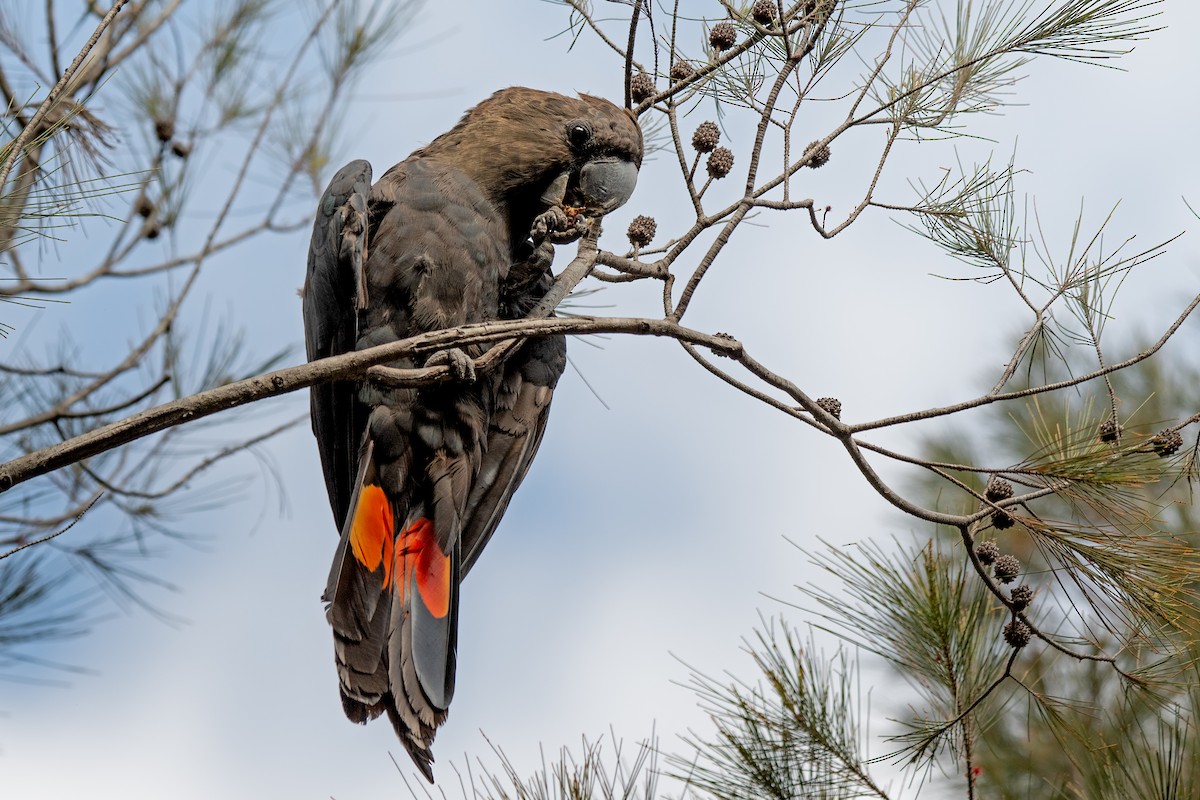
<point>60,532</point>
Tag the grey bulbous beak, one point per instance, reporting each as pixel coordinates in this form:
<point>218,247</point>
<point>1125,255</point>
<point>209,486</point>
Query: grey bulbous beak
<point>606,183</point>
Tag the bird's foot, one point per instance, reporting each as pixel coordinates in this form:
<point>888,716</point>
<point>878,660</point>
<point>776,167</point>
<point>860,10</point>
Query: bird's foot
<point>461,365</point>
<point>533,263</point>
<point>539,259</point>
<point>550,221</point>
<point>559,224</point>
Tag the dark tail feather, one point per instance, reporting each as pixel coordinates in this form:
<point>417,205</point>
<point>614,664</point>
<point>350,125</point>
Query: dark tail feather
<point>421,639</point>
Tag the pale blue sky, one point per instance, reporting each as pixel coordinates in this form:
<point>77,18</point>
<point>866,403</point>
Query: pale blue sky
<point>647,533</point>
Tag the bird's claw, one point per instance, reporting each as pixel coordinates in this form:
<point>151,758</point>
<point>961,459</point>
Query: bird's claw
<point>559,224</point>
<point>531,266</point>
<point>461,365</point>
<point>571,234</point>
<point>550,221</point>
<point>539,259</point>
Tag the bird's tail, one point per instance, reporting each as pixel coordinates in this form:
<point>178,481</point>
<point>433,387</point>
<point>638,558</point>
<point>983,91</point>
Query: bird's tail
<point>393,605</point>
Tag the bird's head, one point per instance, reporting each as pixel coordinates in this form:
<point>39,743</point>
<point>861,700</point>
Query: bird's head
<point>531,150</point>
<point>602,170</point>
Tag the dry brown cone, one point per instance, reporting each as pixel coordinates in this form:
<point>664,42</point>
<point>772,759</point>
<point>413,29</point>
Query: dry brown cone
<point>722,36</point>
<point>641,230</point>
<point>720,162</point>
<point>681,71</point>
<point>707,137</point>
<point>764,12</point>
<point>641,87</point>
<point>164,129</point>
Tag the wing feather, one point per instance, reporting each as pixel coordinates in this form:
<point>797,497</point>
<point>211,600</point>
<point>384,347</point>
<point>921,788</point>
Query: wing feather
<point>334,292</point>
<point>515,431</point>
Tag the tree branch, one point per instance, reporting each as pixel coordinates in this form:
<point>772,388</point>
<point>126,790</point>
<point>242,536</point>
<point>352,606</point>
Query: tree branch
<point>30,130</point>
<point>344,367</point>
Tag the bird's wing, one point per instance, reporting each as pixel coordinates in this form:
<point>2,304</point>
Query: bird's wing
<point>334,292</point>
<point>519,416</point>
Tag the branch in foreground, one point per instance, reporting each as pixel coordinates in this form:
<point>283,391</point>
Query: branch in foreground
<point>344,367</point>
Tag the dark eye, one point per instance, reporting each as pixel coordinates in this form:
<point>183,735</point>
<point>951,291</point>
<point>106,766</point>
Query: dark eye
<point>579,133</point>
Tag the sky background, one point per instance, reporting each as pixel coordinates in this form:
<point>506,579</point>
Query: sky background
<point>652,531</point>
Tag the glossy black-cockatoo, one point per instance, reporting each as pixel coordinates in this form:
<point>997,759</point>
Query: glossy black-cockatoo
<point>418,478</point>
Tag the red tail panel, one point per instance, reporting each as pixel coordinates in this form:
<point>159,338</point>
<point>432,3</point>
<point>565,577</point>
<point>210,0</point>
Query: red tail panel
<point>425,561</point>
<point>372,532</point>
